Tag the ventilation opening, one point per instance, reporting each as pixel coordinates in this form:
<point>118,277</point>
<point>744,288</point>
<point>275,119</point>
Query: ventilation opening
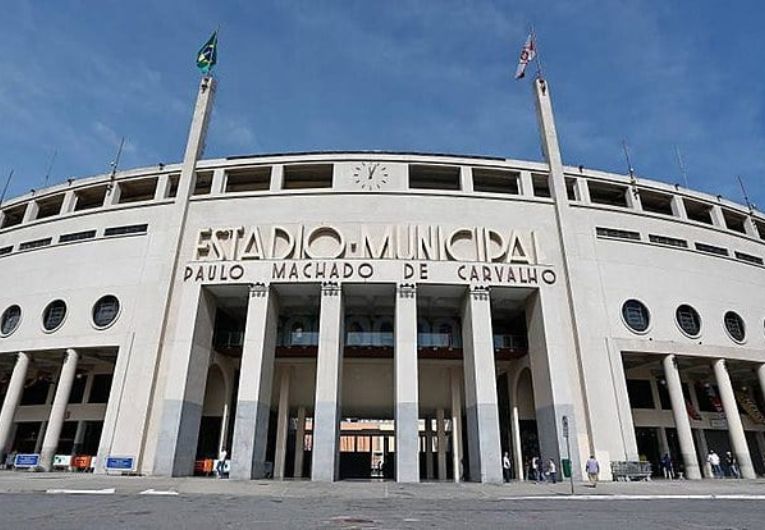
<point>541,185</point>
<point>711,249</point>
<point>656,202</point>
<point>434,177</point>
<point>126,230</point>
<point>137,190</point>
<point>90,198</point>
<point>749,258</point>
<point>49,207</point>
<point>250,179</point>
<point>301,177</point>
<point>668,241</point>
<point>698,211</point>
<point>571,188</point>
<point>616,233</point>
<point>172,189</point>
<point>35,244</point>
<point>495,181</point>
<point>734,221</point>
<point>610,194</point>
<point>6,250</point>
<point>203,183</point>
<point>77,236</point>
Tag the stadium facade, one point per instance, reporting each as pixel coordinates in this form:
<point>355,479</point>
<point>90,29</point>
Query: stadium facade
<point>333,315</point>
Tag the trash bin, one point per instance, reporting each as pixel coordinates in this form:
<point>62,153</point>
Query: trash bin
<point>566,465</point>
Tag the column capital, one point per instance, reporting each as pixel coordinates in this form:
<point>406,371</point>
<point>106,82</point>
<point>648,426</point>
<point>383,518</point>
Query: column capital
<point>479,292</point>
<point>71,353</point>
<point>406,290</point>
<point>258,290</point>
<point>330,289</point>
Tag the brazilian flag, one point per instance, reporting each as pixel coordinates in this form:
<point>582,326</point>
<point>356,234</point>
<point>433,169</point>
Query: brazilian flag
<point>207,56</point>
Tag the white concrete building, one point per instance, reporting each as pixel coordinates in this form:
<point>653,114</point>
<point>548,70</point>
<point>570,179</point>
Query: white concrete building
<point>333,315</point>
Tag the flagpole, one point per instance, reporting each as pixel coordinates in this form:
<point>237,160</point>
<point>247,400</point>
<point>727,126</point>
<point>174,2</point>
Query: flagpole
<point>536,51</point>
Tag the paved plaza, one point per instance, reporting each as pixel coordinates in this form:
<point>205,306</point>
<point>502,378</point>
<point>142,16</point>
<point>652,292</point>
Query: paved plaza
<point>64,501</point>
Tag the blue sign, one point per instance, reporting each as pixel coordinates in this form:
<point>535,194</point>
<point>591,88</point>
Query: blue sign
<point>28,460</point>
<point>121,463</point>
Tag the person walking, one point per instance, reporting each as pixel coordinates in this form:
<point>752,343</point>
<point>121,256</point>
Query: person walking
<point>535,469</point>
<point>666,466</point>
<point>714,461</point>
<point>220,466</point>
<point>506,467</point>
<point>552,471</point>
<point>592,467</point>
<point>732,464</point>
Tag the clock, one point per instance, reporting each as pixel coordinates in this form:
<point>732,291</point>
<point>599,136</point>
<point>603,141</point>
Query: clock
<point>370,175</point>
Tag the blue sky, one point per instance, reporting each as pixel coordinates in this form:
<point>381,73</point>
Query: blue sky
<point>428,75</point>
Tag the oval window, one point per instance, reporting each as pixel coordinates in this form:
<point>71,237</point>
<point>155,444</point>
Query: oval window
<point>636,315</point>
<point>106,311</point>
<point>10,320</point>
<point>688,320</point>
<point>54,315</point>
<point>735,326</point>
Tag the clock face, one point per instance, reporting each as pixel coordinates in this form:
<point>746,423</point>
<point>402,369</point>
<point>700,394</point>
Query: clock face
<point>370,175</point>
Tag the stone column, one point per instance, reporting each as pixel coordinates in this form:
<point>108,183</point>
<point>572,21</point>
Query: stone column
<point>58,409</point>
<point>701,443</point>
<point>680,413</point>
<point>329,370</point>
<point>454,377</point>
<point>515,427</point>
<point>735,428</point>
<point>405,386</point>
<point>761,375</point>
<point>484,446</point>
<point>253,406</point>
<point>189,351</point>
<point>299,443</point>
<point>441,438</point>
<point>429,448</point>
<point>282,423</point>
<point>12,398</point>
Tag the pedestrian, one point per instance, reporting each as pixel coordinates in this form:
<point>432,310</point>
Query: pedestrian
<point>666,466</point>
<point>593,470</point>
<point>535,469</point>
<point>552,471</point>
<point>732,464</point>
<point>506,467</point>
<point>220,466</point>
<point>714,461</point>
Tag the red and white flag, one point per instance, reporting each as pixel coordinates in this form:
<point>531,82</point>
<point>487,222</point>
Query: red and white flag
<point>528,53</point>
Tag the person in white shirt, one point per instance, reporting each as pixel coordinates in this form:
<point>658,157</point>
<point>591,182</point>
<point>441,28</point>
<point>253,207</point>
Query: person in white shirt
<point>506,467</point>
<point>552,471</point>
<point>714,462</point>
<point>221,464</point>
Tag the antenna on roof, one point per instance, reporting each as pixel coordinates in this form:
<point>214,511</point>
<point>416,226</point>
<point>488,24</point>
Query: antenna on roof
<point>50,166</point>
<point>630,169</point>
<point>746,196</point>
<point>5,188</point>
<point>681,164</point>
<point>114,164</point>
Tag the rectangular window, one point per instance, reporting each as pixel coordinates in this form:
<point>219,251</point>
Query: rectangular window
<point>760,226</point>
<point>35,244</point>
<point>618,234</point>
<point>126,230</point>
<point>50,206</point>
<point>711,249</point>
<point>77,236</point>
<point>90,198</point>
<point>249,179</point>
<point>78,389</point>
<point>14,215</point>
<point>172,189</point>
<point>99,390</point>
<point>434,177</point>
<point>639,391</point>
<point>668,241</point>
<point>748,258</point>
<point>137,190</point>
<point>708,396</point>
<point>301,177</point>
<point>605,193</point>
<point>698,211</point>
<point>656,202</point>
<point>36,393</point>
<point>571,188</point>
<point>734,221</point>
<point>6,250</point>
<point>203,183</point>
<point>495,181</point>
<point>541,185</point>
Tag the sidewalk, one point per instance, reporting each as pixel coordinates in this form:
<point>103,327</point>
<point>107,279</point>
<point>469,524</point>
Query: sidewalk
<point>24,482</point>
